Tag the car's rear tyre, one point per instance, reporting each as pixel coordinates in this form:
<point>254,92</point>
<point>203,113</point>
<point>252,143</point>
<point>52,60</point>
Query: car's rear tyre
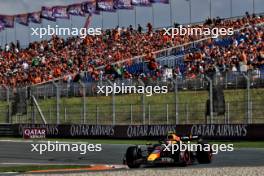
<point>132,155</point>
<point>204,157</point>
<point>181,158</point>
<point>184,158</point>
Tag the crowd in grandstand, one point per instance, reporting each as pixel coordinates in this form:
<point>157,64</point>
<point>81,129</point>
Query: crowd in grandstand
<point>66,58</point>
<point>244,54</point>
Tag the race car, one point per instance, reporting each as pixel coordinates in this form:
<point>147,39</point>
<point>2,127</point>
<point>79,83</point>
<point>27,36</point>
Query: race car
<point>165,153</point>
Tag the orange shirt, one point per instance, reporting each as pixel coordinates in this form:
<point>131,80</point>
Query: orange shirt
<point>57,72</point>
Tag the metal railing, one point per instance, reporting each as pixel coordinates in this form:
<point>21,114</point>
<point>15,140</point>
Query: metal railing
<point>185,102</point>
<point>229,80</point>
<point>160,113</point>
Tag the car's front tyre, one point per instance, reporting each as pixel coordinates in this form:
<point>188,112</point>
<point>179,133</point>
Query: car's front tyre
<point>204,156</point>
<point>133,153</point>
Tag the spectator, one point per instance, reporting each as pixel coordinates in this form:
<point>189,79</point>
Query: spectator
<point>139,29</point>
<point>58,58</point>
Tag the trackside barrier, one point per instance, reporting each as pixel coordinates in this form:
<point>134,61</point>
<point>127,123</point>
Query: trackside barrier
<point>212,131</point>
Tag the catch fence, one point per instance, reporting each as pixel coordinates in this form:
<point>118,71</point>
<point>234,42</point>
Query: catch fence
<point>186,102</point>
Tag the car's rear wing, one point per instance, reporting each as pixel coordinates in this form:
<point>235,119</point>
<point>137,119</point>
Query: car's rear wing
<point>189,138</point>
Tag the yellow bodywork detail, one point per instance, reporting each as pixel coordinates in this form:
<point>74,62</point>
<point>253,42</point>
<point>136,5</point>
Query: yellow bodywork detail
<point>153,156</point>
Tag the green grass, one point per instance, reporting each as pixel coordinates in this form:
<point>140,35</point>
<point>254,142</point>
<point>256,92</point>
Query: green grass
<point>192,106</point>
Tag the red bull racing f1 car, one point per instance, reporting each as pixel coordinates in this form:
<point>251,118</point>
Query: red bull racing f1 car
<point>168,152</point>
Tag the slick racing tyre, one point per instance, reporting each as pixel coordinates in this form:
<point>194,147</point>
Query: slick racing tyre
<point>182,158</point>
<point>204,157</point>
<point>132,155</point>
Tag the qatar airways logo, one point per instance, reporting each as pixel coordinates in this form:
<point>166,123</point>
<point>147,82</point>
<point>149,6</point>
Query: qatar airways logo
<point>34,133</point>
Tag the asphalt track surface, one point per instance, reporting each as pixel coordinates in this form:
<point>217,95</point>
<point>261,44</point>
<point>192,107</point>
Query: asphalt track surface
<point>19,153</point>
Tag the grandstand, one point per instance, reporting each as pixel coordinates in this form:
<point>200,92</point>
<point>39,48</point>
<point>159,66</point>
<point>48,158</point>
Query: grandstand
<point>74,67</point>
<point>43,62</point>
<point>88,85</point>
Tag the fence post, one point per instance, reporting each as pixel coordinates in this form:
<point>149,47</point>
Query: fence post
<point>27,116</point>
<point>225,116</point>
<point>45,91</point>
<point>236,81</point>
<point>211,98</point>
<point>50,115</point>
<point>32,106</point>
<point>187,113</point>
<point>10,120</point>
<point>228,113</point>
<point>226,80</point>
<point>175,82</point>
<point>57,103</point>
<point>113,101</point>
<point>167,113</point>
<point>149,114</point>
<point>143,102</point>
<point>7,94</point>
<point>33,114</point>
<point>248,99</point>
<point>65,114</point>
<point>84,102</point>
<point>131,114</point>
<point>9,104</point>
<point>251,111</point>
<point>97,114</point>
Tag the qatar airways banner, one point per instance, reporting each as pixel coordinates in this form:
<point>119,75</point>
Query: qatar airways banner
<point>105,5</point>
<point>206,131</point>
<point>123,4</point>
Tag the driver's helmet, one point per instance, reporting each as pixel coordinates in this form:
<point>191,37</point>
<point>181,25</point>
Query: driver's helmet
<point>171,136</point>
